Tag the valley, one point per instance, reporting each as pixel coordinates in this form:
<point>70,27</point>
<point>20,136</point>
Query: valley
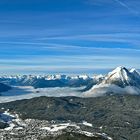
<point>93,108</point>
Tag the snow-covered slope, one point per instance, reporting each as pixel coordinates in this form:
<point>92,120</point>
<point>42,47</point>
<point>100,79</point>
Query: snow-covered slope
<point>120,81</point>
<point>135,74</point>
<point>122,77</point>
<point>12,121</point>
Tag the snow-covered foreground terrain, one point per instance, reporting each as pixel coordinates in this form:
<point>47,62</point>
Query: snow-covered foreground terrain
<point>23,92</point>
<point>33,129</point>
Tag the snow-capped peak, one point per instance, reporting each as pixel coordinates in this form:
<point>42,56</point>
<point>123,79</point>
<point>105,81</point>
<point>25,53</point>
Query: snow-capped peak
<point>122,77</point>
<point>119,70</point>
<point>119,81</point>
<point>84,77</point>
<point>136,74</point>
<point>134,71</point>
<point>120,73</point>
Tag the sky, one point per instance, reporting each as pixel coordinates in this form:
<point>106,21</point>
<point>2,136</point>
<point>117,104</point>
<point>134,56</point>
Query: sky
<point>68,36</point>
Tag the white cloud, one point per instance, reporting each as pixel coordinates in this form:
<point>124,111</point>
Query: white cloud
<point>102,89</point>
<point>125,37</point>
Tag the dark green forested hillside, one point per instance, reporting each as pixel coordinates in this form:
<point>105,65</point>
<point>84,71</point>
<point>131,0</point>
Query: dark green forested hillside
<point>119,116</point>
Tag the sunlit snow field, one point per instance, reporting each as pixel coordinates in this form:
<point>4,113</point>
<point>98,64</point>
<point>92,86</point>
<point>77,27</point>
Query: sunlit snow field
<point>20,92</point>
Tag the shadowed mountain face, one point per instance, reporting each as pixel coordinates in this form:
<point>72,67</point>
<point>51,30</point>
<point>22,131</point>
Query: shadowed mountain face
<point>4,87</point>
<point>118,116</point>
<point>3,125</point>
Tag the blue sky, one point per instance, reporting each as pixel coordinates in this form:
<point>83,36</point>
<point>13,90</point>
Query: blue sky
<point>68,36</point>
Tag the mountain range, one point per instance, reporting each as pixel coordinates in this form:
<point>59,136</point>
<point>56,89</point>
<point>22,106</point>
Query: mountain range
<point>46,81</point>
<point>119,81</point>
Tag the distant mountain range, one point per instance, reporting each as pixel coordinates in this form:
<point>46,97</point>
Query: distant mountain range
<point>119,81</point>
<point>50,80</point>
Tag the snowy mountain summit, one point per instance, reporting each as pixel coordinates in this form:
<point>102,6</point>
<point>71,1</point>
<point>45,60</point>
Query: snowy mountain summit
<point>120,80</point>
<point>123,77</point>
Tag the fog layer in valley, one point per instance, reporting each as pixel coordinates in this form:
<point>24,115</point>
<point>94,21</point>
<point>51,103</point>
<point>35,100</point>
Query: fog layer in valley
<point>19,93</point>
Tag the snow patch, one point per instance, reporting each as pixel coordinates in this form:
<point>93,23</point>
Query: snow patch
<point>58,127</point>
<point>13,120</point>
<point>87,124</point>
<point>105,136</point>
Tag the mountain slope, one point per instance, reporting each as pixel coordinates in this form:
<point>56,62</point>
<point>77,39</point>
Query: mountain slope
<point>4,87</point>
<point>122,77</point>
<point>120,80</point>
<point>117,116</point>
